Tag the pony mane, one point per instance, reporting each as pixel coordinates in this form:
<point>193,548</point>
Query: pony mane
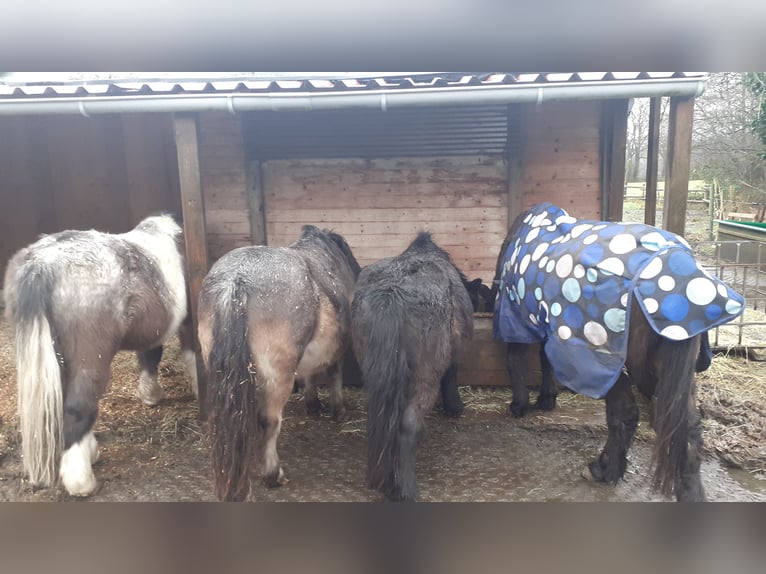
<point>424,243</point>
<point>167,223</point>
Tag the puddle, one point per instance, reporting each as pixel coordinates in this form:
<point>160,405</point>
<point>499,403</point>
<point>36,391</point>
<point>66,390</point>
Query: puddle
<point>748,480</point>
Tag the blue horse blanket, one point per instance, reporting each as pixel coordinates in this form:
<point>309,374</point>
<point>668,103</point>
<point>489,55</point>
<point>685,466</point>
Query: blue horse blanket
<point>569,283</point>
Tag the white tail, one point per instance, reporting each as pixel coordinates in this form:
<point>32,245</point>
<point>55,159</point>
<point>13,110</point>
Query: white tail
<point>40,400</point>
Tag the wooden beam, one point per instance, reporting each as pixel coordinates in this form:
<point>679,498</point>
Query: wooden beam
<point>515,147</point>
<point>256,204</point>
<point>193,210</point>
<point>652,160</point>
<point>614,133</point>
<point>678,159</point>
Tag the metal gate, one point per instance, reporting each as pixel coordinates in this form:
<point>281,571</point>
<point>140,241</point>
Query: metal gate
<point>742,265</point>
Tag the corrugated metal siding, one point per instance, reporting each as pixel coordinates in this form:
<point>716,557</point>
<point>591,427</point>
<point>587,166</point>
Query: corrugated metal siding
<point>415,132</point>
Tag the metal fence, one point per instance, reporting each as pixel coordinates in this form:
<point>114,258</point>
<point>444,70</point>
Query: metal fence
<point>742,265</point>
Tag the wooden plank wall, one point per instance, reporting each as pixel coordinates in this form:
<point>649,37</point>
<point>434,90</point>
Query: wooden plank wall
<point>562,157</point>
<point>70,172</point>
<point>223,176</point>
<point>379,205</point>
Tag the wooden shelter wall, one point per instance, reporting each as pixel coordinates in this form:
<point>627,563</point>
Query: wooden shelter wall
<point>223,176</point>
<point>379,205</point>
<point>70,172</point>
<point>561,162</point>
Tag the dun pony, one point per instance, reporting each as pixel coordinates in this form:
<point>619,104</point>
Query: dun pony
<point>266,316</point>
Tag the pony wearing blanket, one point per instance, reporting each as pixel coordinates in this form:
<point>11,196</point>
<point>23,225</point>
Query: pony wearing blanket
<point>613,304</point>
<point>75,298</point>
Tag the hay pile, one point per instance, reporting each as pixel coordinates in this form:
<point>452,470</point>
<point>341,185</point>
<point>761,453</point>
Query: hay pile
<point>732,396</point>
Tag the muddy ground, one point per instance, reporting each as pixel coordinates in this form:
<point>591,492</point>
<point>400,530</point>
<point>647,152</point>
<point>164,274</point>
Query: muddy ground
<point>161,453</point>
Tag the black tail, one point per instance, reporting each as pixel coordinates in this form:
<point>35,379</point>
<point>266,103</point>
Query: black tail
<point>391,428</point>
<point>675,392</point>
<point>231,388</point>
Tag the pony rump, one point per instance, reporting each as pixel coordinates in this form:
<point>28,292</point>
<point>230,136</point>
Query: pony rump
<point>346,250</point>
<point>674,407</point>
<point>40,396</point>
<point>232,403</point>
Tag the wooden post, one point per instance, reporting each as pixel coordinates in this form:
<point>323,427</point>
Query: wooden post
<point>614,133</point>
<point>678,156</point>
<point>193,209</point>
<point>515,157</point>
<point>652,160</point>
<point>255,202</point>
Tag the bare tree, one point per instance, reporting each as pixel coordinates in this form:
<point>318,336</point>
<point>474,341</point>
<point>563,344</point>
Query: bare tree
<point>724,146</point>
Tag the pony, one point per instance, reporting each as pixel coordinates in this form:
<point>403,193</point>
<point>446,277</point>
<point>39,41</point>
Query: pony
<point>269,315</point>
<point>74,299</point>
<point>411,320</point>
<point>482,300</point>
<point>613,305</point>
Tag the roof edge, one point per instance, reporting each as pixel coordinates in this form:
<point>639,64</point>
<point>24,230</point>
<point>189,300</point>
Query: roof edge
<point>234,102</point>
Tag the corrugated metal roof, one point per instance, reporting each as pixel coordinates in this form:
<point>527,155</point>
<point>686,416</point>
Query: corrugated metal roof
<point>310,83</point>
<point>408,132</point>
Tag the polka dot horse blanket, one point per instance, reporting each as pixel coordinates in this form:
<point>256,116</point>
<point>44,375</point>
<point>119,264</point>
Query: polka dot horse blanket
<point>569,283</point>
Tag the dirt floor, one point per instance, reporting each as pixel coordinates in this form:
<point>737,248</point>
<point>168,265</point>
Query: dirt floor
<point>161,453</point>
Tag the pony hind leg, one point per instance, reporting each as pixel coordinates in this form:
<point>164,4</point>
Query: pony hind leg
<point>451,402</point>
<point>335,383</point>
<point>80,446</point>
<point>622,420</point>
<point>516,363</point>
<point>690,488</point>
<point>546,400</point>
<point>188,354</point>
<point>311,396</point>
<point>404,486</point>
<point>271,403</point>
<point>149,390</point>
<point>333,378</point>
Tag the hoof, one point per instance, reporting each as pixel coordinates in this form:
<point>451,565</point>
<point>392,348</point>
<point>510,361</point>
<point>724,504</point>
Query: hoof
<point>587,474</point>
<point>546,402</point>
<point>276,479</point>
<point>454,411</point>
<point>518,410</point>
<point>149,391</point>
<point>601,474</point>
<point>75,470</point>
<point>313,408</point>
<point>340,415</point>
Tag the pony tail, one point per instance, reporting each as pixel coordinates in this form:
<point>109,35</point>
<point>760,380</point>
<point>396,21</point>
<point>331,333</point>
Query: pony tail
<point>388,378</point>
<point>38,376</point>
<point>675,391</point>
<point>232,397</point>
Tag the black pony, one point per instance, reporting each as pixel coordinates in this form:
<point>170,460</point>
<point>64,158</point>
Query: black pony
<point>411,319</point>
<point>75,298</point>
<point>613,304</point>
<point>482,299</point>
<point>269,315</point>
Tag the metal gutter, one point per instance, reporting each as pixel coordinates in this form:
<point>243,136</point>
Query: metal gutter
<point>379,99</point>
